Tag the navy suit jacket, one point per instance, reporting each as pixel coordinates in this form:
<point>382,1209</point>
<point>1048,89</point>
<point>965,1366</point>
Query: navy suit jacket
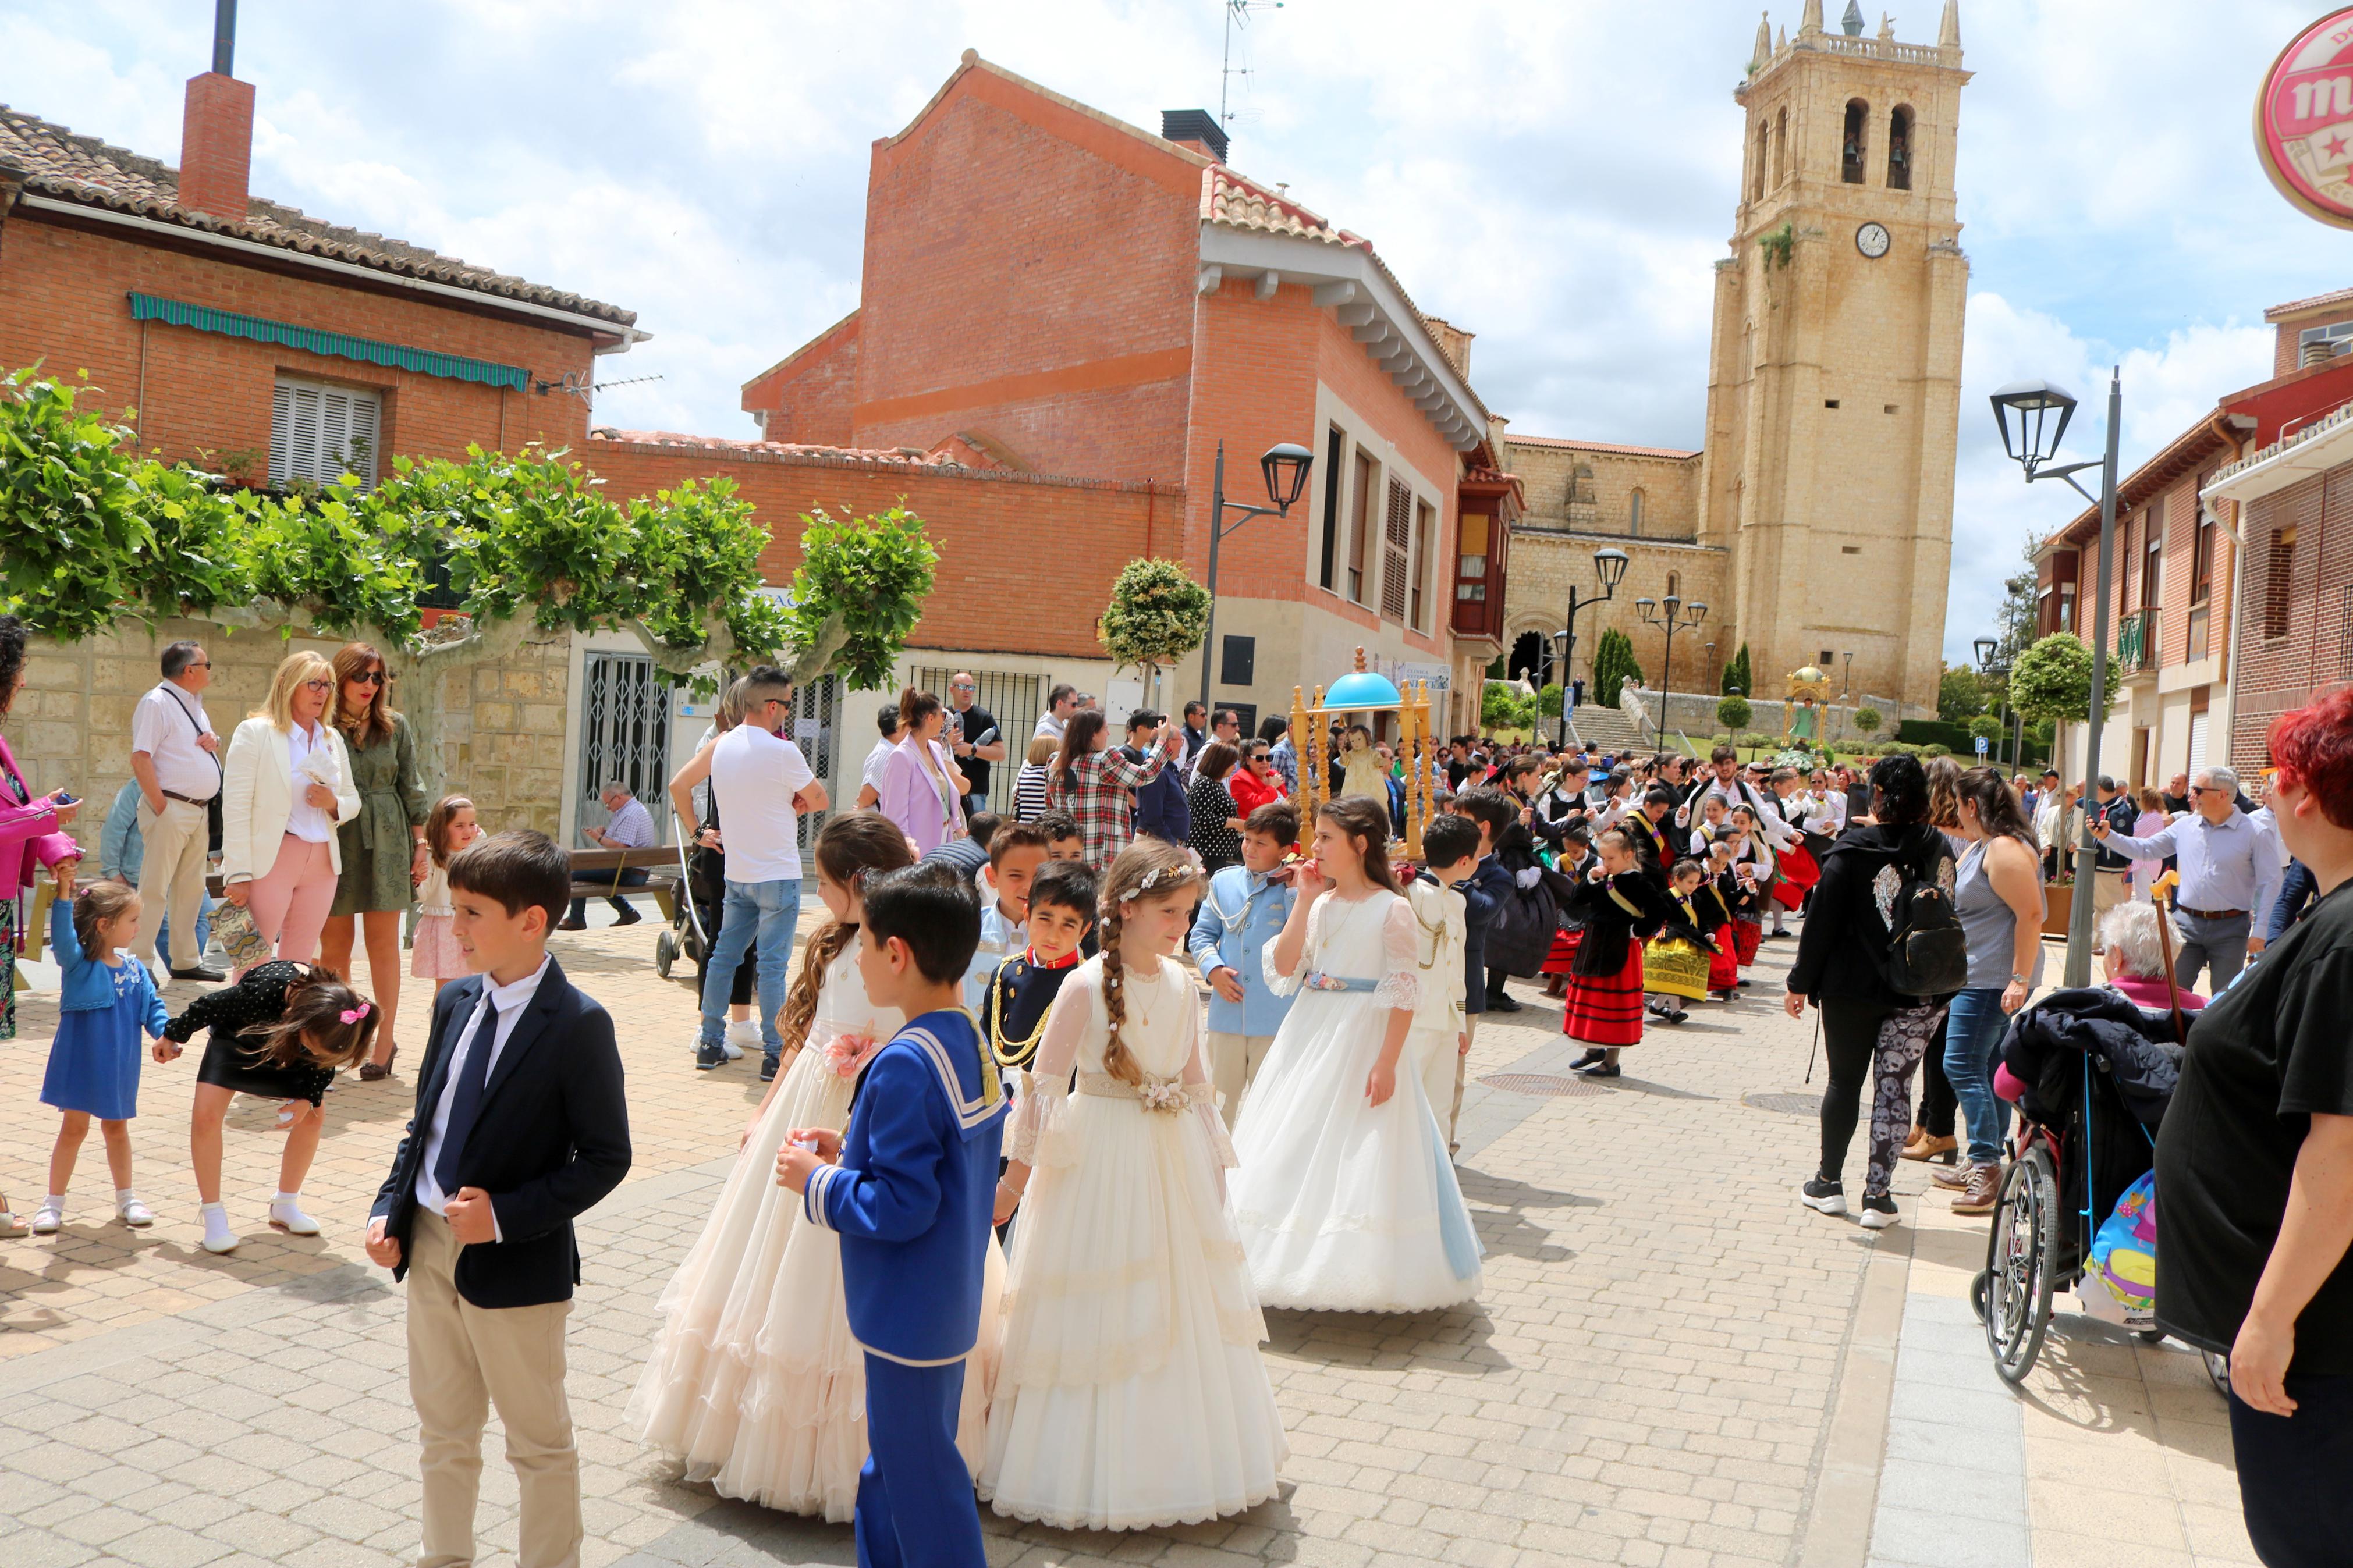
<point>1483,892</point>
<point>552,1138</point>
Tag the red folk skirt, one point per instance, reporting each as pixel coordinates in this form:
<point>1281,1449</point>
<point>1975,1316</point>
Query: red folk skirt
<point>1607,1009</point>
<point>1745,935</point>
<point>1563,954</point>
<point>1723,964</point>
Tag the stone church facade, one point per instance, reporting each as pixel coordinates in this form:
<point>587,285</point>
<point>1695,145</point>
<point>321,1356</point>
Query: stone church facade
<point>1817,524</point>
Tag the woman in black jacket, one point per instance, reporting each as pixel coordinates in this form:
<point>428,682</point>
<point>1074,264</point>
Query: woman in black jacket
<point>1868,1028</point>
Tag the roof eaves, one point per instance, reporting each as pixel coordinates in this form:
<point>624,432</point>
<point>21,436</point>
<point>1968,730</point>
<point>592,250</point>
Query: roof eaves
<point>972,61</point>
<point>2297,307</point>
<point>2155,474</point>
<point>810,347</point>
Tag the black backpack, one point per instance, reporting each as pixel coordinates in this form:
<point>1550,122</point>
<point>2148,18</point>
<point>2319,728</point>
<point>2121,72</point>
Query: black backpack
<point>1927,951</point>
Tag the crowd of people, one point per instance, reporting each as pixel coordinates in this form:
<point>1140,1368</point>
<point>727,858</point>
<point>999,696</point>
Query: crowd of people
<point>1062,1100</point>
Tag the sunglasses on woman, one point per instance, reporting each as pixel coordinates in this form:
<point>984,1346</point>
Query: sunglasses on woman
<point>368,677</point>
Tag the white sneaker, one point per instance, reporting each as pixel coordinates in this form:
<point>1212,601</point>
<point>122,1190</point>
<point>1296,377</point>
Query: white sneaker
<point>134,1214</point>
<point>289,1217</point>
<point>47,1219</point>
<point>741,1033</point>
<point>218,1238</point>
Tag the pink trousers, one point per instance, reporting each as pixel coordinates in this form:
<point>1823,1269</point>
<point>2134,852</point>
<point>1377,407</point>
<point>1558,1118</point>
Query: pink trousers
<point>290,905</point>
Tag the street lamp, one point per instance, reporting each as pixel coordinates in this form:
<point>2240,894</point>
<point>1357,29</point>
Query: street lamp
<point>1678,617</point>
<point>1610,565</point>
<point>1285,467</point>
<point>2031,405</point>
<point>1848,695</point>
<point>1991,665</point>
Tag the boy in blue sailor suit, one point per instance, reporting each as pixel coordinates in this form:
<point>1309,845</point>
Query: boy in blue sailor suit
<point>1245,909</point>
<point>908,1187</point>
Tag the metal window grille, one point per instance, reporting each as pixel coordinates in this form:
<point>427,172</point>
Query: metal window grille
<point>817,730</point>
<point>2279,577</point>
<point>1015,699</point>
<point>1397,548</point>
<point>625,735</point>
<point>2345,632</point>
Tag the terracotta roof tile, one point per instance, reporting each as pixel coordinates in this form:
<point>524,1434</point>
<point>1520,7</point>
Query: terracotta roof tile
<point>60,163</point>
<point>1239,202</point>
<point>2335,296</point>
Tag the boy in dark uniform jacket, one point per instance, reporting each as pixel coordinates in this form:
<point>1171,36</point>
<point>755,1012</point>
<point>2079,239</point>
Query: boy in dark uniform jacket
<point>908,1187</point>
<point>1013,1009</point>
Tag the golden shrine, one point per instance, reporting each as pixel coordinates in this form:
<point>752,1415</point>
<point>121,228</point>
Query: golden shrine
<point>1355,694</point>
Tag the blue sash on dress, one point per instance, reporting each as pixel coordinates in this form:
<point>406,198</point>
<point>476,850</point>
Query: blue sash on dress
<point>1316,979</point>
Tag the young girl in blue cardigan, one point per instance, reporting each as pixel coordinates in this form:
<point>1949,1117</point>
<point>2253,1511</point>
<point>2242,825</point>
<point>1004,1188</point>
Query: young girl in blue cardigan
<point>107,1000</point>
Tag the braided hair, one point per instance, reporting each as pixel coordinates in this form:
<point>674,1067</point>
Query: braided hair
<point>1149,868</point>
<point>851,846</point>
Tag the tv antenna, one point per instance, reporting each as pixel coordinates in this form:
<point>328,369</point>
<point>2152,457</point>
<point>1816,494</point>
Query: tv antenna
<point>1238,15</point>
<point>579,383</point>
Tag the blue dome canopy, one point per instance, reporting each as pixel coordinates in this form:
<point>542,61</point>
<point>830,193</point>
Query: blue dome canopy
<point>1363,689</point>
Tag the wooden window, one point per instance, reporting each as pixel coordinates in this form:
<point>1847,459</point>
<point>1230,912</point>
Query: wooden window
<point>318,433</point>
<point>1360,528</point>
<point>1899,149</point>
<point>1425,520</point>
<point>2279,580</point>
<point>1470,556</point>
<point>1851,147</point>
<point>1335,446</point>
<point>1397,550</point>
<point>2202,587</point>
<point>2152,556</point>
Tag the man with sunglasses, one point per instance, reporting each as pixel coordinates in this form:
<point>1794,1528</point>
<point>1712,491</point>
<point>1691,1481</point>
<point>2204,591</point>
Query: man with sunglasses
<point>2230,867</point>
<point>175,760</point>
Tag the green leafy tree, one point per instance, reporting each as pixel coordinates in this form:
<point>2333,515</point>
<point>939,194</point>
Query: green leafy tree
<point>1736,675</point>
<point>1985,727</point>
<point>1503,706</point>
<point>1733,713</point>
<point>1961,694</point>
<point>857,592</point>
<point>1613,661</point>
<point>2052,681</point>
<point>1867,720</point>
<point>1157,615</point>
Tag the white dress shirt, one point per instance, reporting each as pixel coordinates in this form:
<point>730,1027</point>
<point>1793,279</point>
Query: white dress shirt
<point>306,821</point>
<point>165,725</point>
<point>509,1001</point>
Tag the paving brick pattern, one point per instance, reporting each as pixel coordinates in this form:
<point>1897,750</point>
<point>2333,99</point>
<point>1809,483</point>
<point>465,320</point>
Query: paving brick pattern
<point>1648,1379</point>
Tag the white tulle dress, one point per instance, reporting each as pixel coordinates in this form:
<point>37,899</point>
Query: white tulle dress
<point>754,1382</point>
<point>1345,1206</point>
<point>1130,1391</point>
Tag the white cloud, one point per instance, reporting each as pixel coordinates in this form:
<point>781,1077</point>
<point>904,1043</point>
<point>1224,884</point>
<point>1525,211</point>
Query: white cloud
<point>1556,178</point>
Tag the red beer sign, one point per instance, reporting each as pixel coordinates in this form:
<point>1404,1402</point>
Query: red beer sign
<point>2303,119</point>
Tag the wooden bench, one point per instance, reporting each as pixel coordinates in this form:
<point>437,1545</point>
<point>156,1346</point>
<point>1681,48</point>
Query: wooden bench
<point>593,871</point>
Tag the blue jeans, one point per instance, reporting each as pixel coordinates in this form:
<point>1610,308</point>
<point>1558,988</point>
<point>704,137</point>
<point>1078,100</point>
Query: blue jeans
<point>1973,1031</point>
<point>754,912</point>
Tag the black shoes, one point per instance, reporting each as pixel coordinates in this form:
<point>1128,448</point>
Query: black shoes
<point>1503,1001</point>
<point>1823,1197</point>
<point>708,1056</point>
<point>568,924</point>
<point>627,917</point>
<point>198,973</point>
<point>768,1065</point>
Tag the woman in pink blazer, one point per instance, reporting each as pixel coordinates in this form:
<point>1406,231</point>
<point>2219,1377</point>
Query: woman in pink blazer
<point>922,790</point>
<point>30,835</point>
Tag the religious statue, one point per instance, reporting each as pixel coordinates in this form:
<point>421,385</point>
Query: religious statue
<point>1629,702</point>
<point>1805,723</point>
<point>1801,708</point>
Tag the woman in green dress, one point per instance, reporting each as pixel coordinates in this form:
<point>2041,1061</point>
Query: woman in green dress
<point>383,846</point>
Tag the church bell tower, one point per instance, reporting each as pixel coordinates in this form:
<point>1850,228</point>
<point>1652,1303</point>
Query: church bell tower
<point>1835,363</point>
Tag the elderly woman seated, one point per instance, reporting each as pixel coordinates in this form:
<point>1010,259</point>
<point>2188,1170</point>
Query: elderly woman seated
<point>2136,958</point>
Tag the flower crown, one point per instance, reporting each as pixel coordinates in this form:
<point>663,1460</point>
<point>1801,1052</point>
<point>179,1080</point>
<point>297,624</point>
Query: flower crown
<point>1173,874</point>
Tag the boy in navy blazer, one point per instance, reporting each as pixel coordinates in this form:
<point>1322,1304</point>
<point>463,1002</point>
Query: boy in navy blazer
<point>521,1127</point>
<point>908,1187</point>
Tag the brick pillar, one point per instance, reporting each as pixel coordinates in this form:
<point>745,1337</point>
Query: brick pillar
<point>217,145</point>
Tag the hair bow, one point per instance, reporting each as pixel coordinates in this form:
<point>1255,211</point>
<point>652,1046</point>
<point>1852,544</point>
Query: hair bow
<point>353,1015</point>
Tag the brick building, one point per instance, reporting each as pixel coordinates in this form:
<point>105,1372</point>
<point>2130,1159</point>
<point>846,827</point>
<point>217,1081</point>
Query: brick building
<point>1817,524</point>
<point>1048,290</point>
<point>276,347</point>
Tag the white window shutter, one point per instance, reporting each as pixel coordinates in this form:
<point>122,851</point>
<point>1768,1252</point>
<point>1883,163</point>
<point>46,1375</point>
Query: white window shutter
<point>362,454</point>
<point>281,441</point>
<point>320,433</point>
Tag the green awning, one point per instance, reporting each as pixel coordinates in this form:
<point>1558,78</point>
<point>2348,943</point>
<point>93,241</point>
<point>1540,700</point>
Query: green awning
<point>260,329</point>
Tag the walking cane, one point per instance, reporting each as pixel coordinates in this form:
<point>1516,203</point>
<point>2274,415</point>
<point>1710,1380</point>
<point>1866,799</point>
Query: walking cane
<point>2165,944</point>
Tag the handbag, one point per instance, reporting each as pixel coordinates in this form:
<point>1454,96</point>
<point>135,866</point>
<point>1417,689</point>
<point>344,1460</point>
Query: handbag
<point>1673,966</point>
<point>239,937</point>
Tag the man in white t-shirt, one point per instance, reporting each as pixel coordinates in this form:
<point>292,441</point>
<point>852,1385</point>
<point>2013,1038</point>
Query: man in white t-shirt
<point>761,783</point>
<point>175,762</point>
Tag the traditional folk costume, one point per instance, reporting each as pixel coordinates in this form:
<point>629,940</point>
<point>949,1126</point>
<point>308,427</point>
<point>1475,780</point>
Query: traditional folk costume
<point>1748,906</point>
<point>1241,913</point>
<point>1711,909</point>
<point>925,1123</point>
<point>757,1379</point>
<point>1433,1046</point>
<point>1131,1394</point>
<point>1653,846</point>
<point>1346,1206</point>
<point>1605,988</point>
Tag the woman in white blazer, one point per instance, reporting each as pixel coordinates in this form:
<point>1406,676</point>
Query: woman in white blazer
<point>284,786</point>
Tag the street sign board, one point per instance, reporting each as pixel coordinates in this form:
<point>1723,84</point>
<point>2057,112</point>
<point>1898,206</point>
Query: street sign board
<point>2303,119</point>
<point>1984,746</point>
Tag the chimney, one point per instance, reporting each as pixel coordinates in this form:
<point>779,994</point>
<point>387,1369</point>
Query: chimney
<point>1197,128</point>
<point>2320,351</point>
<point>216,131</point>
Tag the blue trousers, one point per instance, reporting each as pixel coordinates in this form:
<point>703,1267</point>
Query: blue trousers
<point>757,916</point>
<point>915,1507</point>
<point>1973,1030</point>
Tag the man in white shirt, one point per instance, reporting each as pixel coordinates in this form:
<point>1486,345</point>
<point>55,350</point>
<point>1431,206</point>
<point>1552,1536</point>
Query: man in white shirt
<point>1060,704</point>
<point>761,783</point>
<point>869,777</point>
<point>174,758</point>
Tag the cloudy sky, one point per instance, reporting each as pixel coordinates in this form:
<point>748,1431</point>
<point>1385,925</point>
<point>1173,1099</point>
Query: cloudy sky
<point>1555,175</point>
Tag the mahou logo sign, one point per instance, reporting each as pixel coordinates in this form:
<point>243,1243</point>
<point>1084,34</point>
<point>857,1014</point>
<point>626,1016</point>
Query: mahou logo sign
<point>2303,119</point>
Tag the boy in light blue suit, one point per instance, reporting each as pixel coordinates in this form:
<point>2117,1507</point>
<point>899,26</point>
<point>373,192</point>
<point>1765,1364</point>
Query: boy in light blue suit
<point>1245,909</point>
<point>909,1187</point>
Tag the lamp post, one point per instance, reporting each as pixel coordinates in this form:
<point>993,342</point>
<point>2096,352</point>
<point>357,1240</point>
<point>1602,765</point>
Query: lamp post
<point>1848,695</point>
<point>1609,566</point>
<point>1991,665</point>
<point>1678,617</point>
<point>1285,467</point>
<point>2033,446</point>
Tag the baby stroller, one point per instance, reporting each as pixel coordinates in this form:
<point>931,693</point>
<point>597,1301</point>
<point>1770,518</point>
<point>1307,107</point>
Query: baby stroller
<point>695,920</point>
<point>2097,1072</point>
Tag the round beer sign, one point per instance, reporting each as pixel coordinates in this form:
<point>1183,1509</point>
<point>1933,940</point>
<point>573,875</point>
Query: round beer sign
<point>2303,119</point>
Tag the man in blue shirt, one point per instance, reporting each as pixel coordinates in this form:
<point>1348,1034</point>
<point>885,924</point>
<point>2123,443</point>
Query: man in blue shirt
<point>1245,909</point>
<point>2230,865</point>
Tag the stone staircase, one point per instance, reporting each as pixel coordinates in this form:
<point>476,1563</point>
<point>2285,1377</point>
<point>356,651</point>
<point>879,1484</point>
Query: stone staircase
<point>1610,729</point>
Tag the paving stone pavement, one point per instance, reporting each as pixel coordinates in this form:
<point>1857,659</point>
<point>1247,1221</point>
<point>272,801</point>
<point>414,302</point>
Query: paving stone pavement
<point>1673,1363</point>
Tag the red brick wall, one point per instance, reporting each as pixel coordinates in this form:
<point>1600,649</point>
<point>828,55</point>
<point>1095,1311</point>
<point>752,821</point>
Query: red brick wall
<point>1029,275</point>
<point>2275,674</point>
<point>63,302</point>
<point>1026,565</point>
<point>808,400</point>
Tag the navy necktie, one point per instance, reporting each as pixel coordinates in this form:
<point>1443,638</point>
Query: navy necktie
<point>473,1075</point>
